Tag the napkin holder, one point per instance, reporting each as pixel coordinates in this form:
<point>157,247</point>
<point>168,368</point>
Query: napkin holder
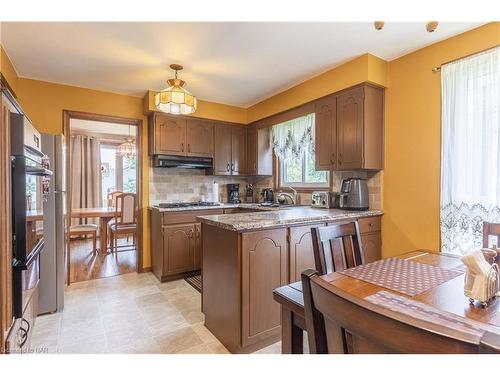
<point>492,286</point>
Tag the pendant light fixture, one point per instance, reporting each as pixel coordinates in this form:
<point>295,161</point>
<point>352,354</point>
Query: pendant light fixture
<point>127,149</point>
<point>175,99</point>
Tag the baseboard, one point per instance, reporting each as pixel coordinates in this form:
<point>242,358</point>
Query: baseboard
<point>144,269</point>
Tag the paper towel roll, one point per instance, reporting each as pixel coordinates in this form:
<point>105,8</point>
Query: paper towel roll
<point>215,192</point>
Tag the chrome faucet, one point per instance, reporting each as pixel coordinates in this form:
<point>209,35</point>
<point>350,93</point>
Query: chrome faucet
<point>293,198</point>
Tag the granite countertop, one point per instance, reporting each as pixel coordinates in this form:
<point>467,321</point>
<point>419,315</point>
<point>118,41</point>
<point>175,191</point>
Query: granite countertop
<point>222,206</point>
<point>282,217</point>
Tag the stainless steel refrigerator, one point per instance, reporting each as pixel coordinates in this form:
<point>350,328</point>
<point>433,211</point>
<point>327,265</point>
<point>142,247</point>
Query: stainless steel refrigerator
<point>52,259</point>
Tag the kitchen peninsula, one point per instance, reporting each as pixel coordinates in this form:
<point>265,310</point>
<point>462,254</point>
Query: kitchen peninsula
<point>246,256</point>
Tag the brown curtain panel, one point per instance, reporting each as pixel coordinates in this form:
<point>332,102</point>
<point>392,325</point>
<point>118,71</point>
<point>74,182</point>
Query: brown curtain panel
<point>85,174</point>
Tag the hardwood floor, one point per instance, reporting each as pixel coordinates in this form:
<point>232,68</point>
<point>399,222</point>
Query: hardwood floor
<point>85,266</point>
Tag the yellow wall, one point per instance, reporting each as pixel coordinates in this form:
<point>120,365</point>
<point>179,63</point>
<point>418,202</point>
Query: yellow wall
<point>361,69</point>
<point>411,178</point>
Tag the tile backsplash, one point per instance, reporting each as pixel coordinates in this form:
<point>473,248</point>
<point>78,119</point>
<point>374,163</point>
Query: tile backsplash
<point>189,185</point>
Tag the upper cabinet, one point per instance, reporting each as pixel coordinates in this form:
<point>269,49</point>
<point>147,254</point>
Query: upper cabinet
<point>199,138</point>
<point>349,129</point>
<point>230,147</point>
<point>259,151</point>
<point>172,135</point>
<point>326,133</point>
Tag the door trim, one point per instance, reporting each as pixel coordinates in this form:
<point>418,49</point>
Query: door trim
<point>67,116</point>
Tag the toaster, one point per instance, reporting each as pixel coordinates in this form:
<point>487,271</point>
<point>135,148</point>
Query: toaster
<point>321,199</point>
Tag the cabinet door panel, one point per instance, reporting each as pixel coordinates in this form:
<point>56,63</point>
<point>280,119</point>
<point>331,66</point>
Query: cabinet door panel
<point>264,152</point>
<point>264,269</point>
<point>170,135</point>
<point>350,129</point>
<point>372,246</point>
<point>252,151</point>
<point>178,247</point>
<point>238,150</point>
<point>199,138</point>
<point>301,251</point>
<point>222,150</point>
<point>326,134</point>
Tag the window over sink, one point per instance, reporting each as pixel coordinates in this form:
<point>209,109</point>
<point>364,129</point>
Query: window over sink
<point>293,145</point>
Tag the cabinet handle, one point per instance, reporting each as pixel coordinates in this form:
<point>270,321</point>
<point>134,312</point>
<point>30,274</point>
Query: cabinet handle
<point>232,167</point>
<point>340,158</point>
<point>182,145</point>
<point>227,167</point>
<point>189,147</point>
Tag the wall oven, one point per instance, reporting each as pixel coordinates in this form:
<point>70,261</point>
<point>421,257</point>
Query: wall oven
<point>30,182</point>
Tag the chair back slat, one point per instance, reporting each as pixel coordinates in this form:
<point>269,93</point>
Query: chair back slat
<point>337,247</point>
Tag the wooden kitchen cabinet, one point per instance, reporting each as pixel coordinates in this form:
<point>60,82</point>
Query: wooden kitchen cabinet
<point>371,238</point>
<point>178,247</point>
<point>180,136</point>
<point>326,133</point>
<point>349,129</point>
<point>230,146</point>
<point>222,150</point>
<point>264,268</point>
<point>259,151</point>
<point>6,317</point>
<point>301,251</point>
<point>168,135</point>
<point>199,138</point>
<point>238,150</point>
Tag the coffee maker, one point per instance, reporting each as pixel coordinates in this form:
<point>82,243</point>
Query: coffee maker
<point>233,193</point>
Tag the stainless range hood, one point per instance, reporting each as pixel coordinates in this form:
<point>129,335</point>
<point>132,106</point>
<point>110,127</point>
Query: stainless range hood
<point>189,162</point>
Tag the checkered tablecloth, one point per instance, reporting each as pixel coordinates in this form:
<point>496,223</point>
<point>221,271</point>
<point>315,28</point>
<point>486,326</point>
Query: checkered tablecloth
<point>403,276</point>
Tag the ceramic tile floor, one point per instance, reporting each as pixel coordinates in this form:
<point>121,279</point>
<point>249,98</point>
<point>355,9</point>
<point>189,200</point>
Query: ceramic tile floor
<point>131,313</point>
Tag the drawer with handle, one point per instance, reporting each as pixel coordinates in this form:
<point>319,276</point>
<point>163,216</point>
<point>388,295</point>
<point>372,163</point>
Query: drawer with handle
<point>369,224</point>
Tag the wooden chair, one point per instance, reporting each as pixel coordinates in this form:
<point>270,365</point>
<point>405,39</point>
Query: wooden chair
<point>337,247</point>
<point>125,221</point>
<point>338,322</point>
<point>112,198</point>
<point>84,230</point>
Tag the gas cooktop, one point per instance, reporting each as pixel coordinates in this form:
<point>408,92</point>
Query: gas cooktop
<point>188,204</point>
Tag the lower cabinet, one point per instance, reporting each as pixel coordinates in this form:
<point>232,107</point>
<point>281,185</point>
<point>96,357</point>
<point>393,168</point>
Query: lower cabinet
<point>301,251</point>
<point>178,248</point>
<point>372,246</point>
<point>176,243</point>
<point>241,270</point>
<point>264,268</point>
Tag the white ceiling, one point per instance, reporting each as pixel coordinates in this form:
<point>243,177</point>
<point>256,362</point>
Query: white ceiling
<point>102,128</point>
<point>232,63</point>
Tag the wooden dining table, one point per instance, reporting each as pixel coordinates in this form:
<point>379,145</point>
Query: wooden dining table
<point>105,214</point>
<point>447,297</point>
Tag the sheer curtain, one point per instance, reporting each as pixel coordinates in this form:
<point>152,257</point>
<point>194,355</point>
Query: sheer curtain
<point>470,150</point>
<point>291,138</point>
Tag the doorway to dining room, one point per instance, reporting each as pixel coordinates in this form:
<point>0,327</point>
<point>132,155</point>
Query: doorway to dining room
<point>104,169</point>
